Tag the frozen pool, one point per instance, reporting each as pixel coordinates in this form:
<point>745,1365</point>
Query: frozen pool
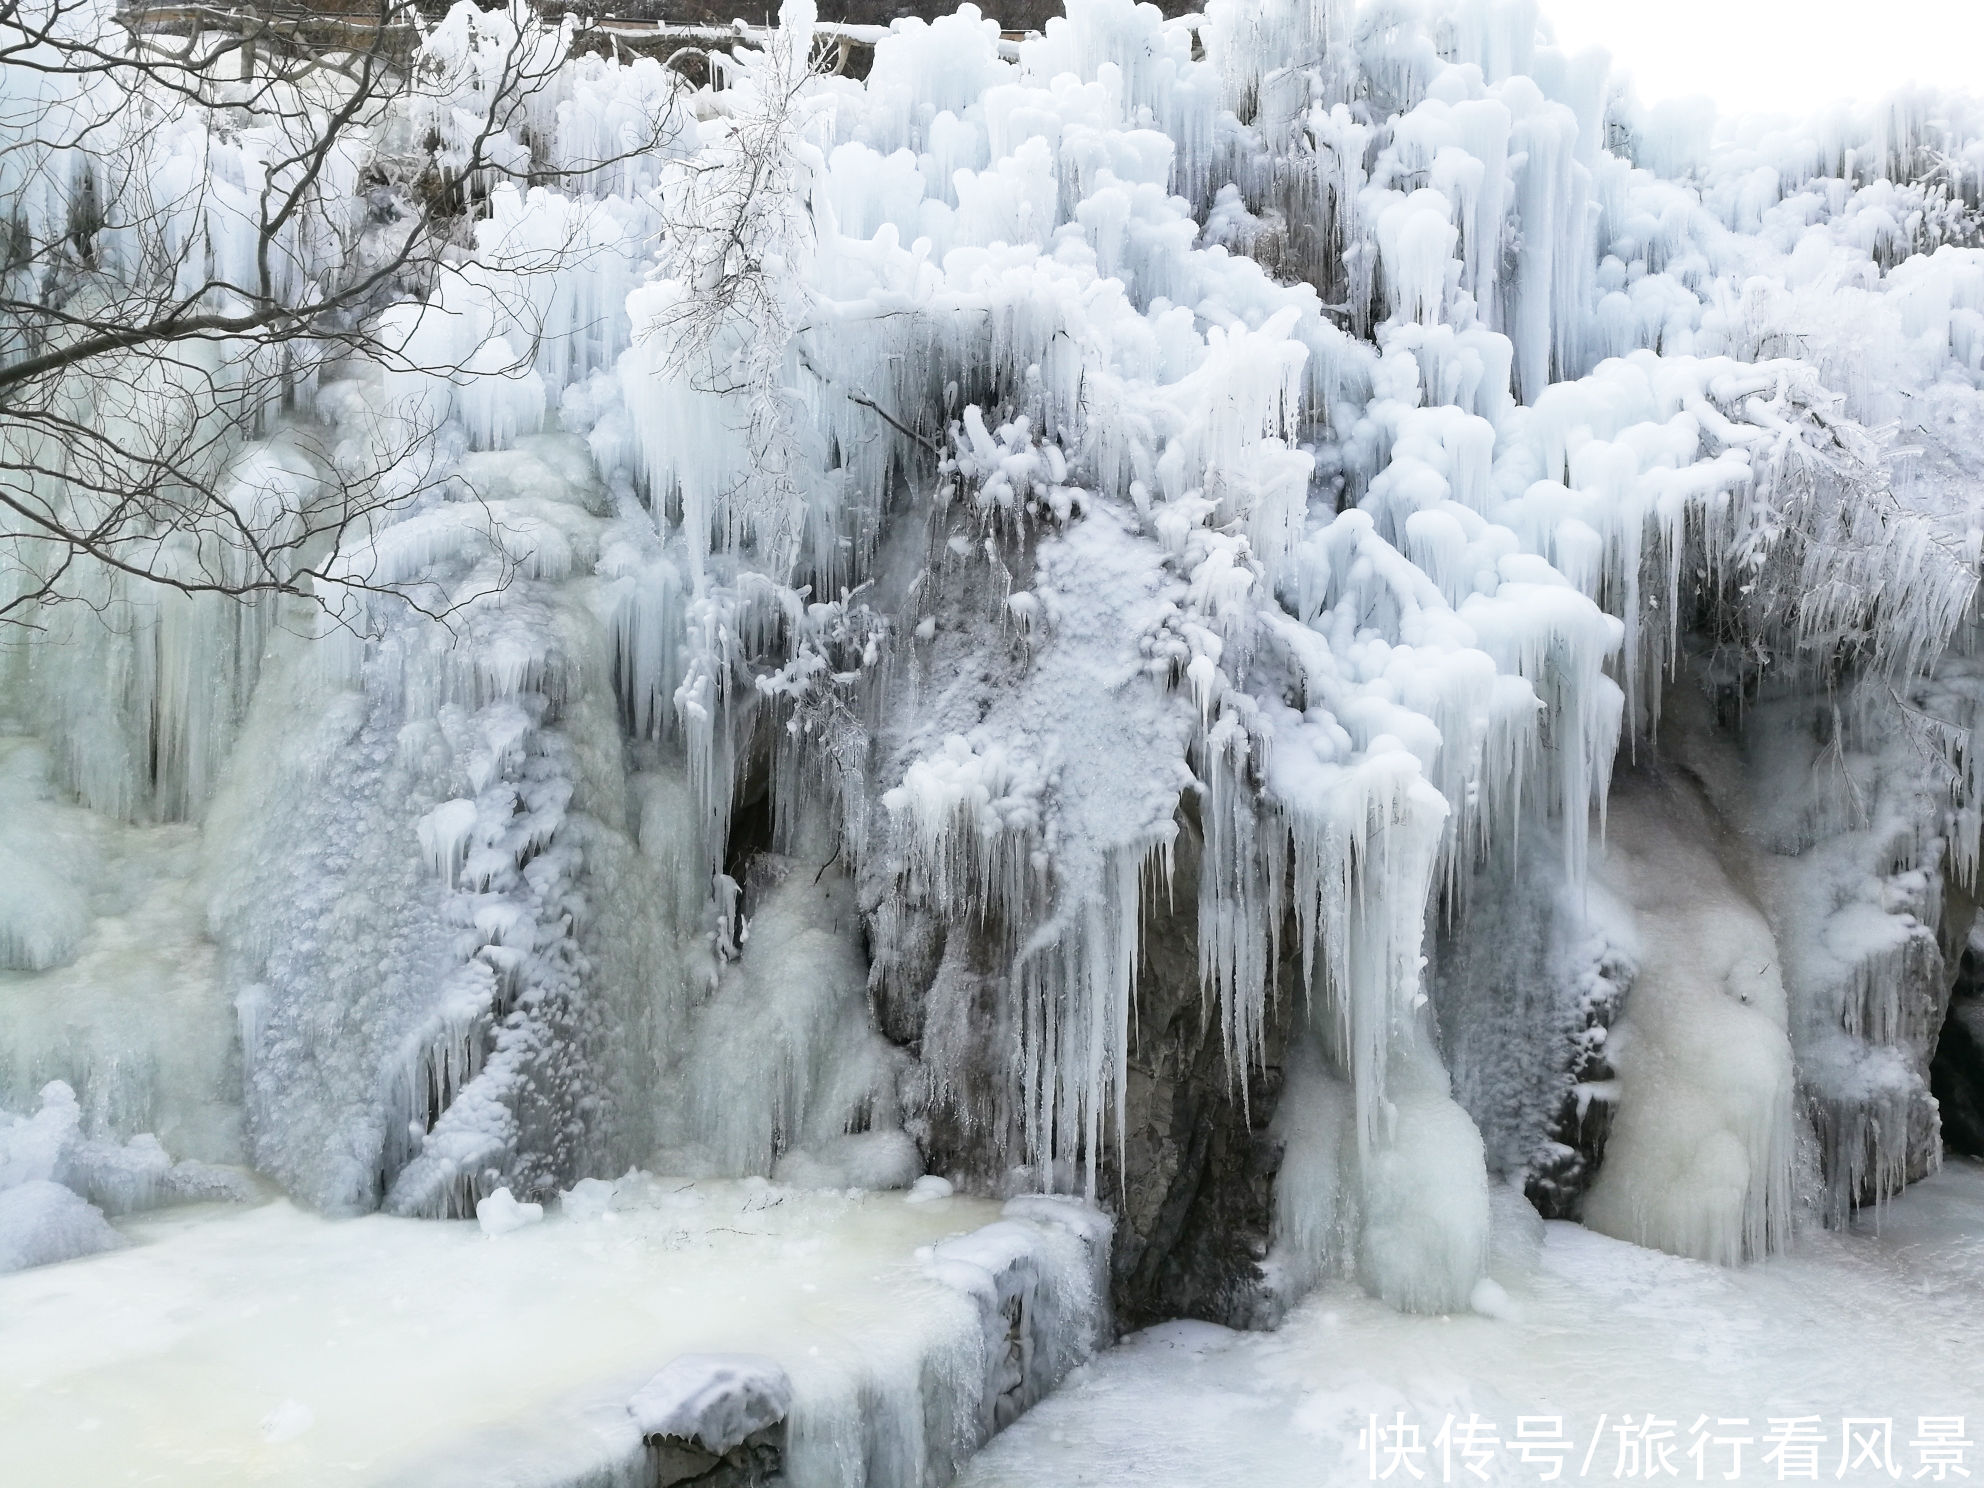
<point>273,1346</point>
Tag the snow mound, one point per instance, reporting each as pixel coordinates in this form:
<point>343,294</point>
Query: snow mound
<point>714,1400</point>
<point>501,1213</point>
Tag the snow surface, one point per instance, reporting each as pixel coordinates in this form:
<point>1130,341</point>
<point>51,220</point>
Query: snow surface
<point>274,1346</point>
<point>1862,1323</point>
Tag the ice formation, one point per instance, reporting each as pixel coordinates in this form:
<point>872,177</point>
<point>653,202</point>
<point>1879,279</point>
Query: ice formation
<point>879,529</point>
<point>56,1185</point>
<point>1699,1160</point>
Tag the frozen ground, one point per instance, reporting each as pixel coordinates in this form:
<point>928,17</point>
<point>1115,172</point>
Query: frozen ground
<point>273,1346</point>
<point>1860,1324</point>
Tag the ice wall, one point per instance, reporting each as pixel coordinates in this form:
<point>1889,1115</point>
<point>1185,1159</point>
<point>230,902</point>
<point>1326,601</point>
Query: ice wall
<point>1853,857</point>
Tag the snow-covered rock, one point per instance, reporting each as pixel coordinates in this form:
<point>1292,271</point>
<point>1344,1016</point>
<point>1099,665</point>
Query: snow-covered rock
<point>715,1401</point>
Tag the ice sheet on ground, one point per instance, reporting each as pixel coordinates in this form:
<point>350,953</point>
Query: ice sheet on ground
<point>1881,1325</point>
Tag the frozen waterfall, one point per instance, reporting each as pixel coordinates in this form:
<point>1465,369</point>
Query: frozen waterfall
<point>1272,637</point>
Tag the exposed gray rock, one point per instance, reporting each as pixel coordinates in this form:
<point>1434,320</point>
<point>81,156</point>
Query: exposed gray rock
<point>1194,1192</point>
<point>1956,1075</point>
<point>752,1463</point>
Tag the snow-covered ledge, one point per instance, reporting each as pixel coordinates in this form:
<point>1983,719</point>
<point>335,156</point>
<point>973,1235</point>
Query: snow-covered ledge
<point>631,1334</point>
<point>732,1420</point>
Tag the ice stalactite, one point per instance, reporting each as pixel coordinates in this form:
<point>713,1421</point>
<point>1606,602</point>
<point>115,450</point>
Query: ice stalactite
<point>1457,657</point>
<point>1314,1202</point>
<point>785,1073</point>
<point>1044,820</point>
<point>712,329</point>
<point>141,731</point>
<point>1363,868</point>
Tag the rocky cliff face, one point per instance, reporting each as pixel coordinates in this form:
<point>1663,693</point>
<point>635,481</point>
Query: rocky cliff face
<point>1956,1076</point>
